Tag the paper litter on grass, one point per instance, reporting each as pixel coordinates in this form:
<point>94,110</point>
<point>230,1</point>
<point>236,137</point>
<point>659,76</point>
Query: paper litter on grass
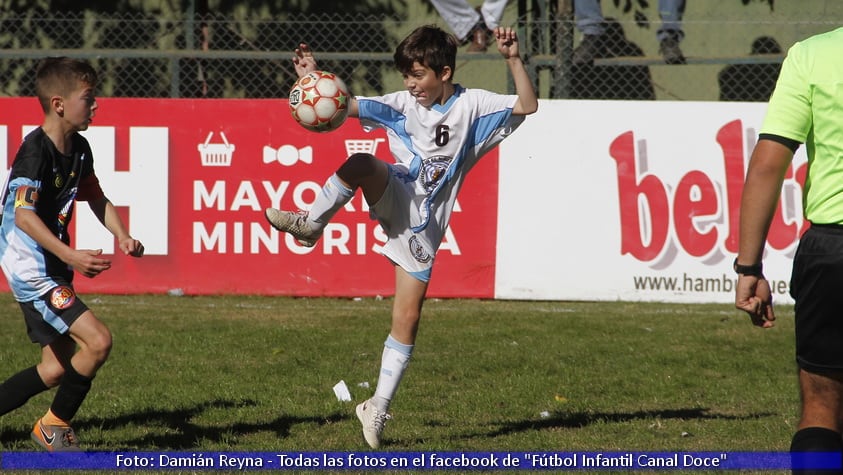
<point>341,390</point>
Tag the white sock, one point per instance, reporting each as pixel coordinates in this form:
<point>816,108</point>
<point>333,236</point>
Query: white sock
<point>334,196</point>
<point>396,357</point>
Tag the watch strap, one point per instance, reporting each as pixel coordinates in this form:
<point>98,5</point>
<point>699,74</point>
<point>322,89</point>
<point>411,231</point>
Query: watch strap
<point>754,269</point>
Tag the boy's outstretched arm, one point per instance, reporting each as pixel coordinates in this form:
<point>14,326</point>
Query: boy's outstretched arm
<point>303,60</point>
<point>304,63</point>
<point>507,41</point>
<point>108,216</point>
<point>85,261</point>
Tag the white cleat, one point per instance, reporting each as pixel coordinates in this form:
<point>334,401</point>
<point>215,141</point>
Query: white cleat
<point>294,223</point>
<point>373,422</point>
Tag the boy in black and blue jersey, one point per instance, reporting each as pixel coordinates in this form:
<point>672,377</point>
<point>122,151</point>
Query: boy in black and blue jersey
<point>52,170</point>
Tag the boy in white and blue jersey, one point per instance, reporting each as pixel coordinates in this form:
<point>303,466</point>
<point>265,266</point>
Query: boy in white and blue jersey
<point>437,132</point>
<point>52,170</point>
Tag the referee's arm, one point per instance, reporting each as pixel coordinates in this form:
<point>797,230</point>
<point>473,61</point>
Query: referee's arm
<point>765,175</point>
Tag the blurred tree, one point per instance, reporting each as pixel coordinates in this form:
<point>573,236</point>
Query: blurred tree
<point>339,26</point>
<point>221,25</point>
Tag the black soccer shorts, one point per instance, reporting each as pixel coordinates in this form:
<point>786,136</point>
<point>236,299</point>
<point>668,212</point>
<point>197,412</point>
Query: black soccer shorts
<point>817,287</point>
<point>52,314</point>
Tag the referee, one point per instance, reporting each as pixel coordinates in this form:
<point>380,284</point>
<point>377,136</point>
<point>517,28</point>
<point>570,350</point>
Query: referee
<point>806,107</point>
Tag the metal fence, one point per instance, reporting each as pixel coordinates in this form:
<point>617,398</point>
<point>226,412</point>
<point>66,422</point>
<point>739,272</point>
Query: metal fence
<point>140,56</point>
<point>213,56</point>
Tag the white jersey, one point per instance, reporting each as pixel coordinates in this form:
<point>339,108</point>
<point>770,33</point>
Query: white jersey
<point>434,148</point>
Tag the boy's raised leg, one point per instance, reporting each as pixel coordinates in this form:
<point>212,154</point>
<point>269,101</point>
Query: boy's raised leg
<point>307,226</point>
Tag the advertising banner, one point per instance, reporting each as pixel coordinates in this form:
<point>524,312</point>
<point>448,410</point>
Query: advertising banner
<point>192,178</point>
<point>588,200</point>
<point>606,200</point>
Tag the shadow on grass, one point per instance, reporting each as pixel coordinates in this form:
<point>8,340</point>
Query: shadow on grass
<point>172,429</point>
<point>575,420</point>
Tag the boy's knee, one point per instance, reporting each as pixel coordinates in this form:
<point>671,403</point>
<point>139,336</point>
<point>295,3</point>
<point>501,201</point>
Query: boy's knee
<point>51,373</point>
<point>359,164</point>
<point>104,344</point>
<point>100,345</point>
<point>361,157</point>
<point>408,319</point>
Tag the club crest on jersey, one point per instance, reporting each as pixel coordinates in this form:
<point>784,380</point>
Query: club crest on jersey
<point>418,251</point>
<point>433,169</point>
<point>62,297</point>
<point>26,196</point>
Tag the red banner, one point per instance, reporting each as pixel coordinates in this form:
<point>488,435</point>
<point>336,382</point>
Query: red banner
<point>192,178</point>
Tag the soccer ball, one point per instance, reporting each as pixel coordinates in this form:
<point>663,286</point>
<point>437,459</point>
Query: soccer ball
<point>319,101</point>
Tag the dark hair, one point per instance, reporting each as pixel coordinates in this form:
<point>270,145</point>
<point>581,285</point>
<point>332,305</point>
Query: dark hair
<point>765,45</point>
<point>60,76</point>
<point>428,45</point>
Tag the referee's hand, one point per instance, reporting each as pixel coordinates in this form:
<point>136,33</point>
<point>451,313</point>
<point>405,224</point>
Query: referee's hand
<point>753,296</point>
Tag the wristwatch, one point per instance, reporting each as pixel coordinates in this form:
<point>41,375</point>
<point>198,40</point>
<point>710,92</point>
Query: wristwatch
<point>755,270</point>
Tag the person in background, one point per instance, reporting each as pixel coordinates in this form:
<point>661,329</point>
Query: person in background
<point>805,108</point>
<point>471,25</point>
<point>589,19</point>
<point>614,81</point>
<point>751,82</point>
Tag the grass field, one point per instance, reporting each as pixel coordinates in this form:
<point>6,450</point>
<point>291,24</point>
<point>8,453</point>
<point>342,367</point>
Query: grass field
<point>256,374</point>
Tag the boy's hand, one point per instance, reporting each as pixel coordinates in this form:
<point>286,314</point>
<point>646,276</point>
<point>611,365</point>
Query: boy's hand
<point>88,263</point>
<point>507,40</point>
<point>131,247</point>
<point>303,60</point>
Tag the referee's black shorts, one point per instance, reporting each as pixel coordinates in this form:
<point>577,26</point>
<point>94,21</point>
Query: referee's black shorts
<point>817,287</point>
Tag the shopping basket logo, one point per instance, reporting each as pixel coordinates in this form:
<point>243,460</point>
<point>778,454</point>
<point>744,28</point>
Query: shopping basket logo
<point>216,154</point>
<point>369,146</point>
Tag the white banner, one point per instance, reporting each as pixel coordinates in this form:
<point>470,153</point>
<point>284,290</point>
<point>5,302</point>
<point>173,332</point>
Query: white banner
<point>613,200</point>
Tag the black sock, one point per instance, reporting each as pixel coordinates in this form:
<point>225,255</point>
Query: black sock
<point>16,390</point>
<point>72,391</point>
<point>814,439</point>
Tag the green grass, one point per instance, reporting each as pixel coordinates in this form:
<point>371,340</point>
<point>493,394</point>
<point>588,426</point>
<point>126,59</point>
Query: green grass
<point>256,374</point>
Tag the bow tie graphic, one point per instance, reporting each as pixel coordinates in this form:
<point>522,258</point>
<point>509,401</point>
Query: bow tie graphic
<point>287,155</point>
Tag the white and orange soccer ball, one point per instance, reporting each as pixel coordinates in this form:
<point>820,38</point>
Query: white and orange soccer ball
<point>319,101</point>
